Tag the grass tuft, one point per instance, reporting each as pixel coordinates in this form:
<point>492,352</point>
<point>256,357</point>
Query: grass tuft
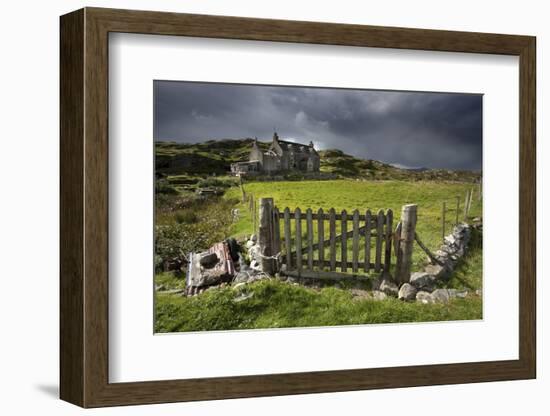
<point>276,304</point>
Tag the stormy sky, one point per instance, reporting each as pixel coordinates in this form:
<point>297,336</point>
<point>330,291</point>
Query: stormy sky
<point>409,129</point>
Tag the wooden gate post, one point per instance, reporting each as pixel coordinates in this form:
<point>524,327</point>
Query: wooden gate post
<point>457,209</point>
<point>466,205</point>
<point>265,235</point>
<point>443,212</point>
<point>406,243</point>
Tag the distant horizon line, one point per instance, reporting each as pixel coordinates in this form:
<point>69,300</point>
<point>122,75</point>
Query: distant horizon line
<point>393,164</point>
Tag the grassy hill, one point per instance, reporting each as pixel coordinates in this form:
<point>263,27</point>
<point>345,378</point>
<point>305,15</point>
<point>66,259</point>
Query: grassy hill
<point>216,156</point>
<point>347,166</point>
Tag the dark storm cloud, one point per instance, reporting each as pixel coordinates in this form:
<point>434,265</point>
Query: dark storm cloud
<point>414,129</point>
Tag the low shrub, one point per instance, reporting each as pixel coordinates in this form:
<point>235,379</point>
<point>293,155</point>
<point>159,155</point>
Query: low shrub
<point>186,216</point>
<point>164,188</point>
<point>192,229</point>
<point>215,183</point>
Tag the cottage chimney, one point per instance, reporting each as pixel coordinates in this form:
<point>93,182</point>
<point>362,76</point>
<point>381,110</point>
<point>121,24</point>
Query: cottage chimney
<point>311,144</point>
<point>275,136</point>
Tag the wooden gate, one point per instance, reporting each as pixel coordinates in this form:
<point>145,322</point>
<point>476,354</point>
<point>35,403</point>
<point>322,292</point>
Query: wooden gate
<point>325,244</point>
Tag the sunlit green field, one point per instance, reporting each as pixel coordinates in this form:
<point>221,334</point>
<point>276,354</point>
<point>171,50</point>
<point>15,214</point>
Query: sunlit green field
<point>275,304</point>
<point>363,195</point>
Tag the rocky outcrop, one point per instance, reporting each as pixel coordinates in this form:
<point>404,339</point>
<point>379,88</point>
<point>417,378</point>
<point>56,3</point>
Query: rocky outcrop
<point>423,281</point>
<point>388,287</point>
<point>426,282</point>
<point>407,292</point>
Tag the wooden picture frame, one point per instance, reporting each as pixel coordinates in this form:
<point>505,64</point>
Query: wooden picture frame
<point>84,207</point>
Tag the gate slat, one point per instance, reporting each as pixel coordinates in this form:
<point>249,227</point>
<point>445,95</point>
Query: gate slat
<point>368,224</point>
<point>276,235</point>
<point>389,232</point>
<point>344,256</point>
<point>309,222</point>
<point>321,235</point>
<point>326,263</point>
<point>379,236</point>
<point>298,216</point>
<point>288,241</point>
<point>332,230</point>
<point>355,258</point>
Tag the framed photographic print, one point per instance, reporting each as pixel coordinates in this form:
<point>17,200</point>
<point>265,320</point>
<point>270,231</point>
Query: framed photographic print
<point>255,207</point>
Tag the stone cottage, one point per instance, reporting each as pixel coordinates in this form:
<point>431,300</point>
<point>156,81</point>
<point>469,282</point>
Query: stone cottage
<point>280,157</point>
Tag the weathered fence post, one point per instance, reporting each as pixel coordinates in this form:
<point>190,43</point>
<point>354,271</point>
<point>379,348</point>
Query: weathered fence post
<point>254,215</point>
<point>466,205</point>
<point>242,188</point>
<point>355,247</point>
<point>470,200</point>
<point>309,229</point>
<point>406,243</point>
<point>276,236</point>
<point>321,237</point>
<point>379,238</point>
<point>288,239</point>
<point>389,232</point>
<point>443,212</point>
<point>480,190</point>
<point>344,242</point>
<point>332,236</point>
<point>457,209</point>
<point>298,229</point>
<point>251,210</point>
<point>368,224</point>
<point>265,235</point>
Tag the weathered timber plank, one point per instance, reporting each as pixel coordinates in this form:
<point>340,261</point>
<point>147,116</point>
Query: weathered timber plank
<point>344,244</point>
<point>298,239</point>
<point>406,242</point>
<point>389,233</point>
<point>332,239</point>
<point>443,212</point>
<point>338,238</point>
<point>288,241</point>
<point>265,236</point>
<point>276,233</point>
<point>355,245</point>
<point>321,235</point>
<point>467,198</point>
<point>368,222</point>
<point>326,217</point>
<point>379,236</point>
<point>338,264</point>
<point>315,274</point>
<point>309,225</point>
<point>457,209</point>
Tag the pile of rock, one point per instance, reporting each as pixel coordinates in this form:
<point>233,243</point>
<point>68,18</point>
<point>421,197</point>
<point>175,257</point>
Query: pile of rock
<point>252,271</point>
<point>454,246</point>
<point>253,250</point>
<point>422,286</point>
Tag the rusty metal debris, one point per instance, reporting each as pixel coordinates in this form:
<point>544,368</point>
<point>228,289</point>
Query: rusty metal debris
<point>210,267</point>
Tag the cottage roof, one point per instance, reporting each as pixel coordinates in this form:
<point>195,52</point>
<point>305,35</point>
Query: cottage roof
<point>296,147</point>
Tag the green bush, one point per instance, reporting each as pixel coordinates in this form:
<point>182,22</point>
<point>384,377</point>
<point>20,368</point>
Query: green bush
<point>164,188</point>
<point>214,183</point>
<point>194,228</point>
<point>186,216</point>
